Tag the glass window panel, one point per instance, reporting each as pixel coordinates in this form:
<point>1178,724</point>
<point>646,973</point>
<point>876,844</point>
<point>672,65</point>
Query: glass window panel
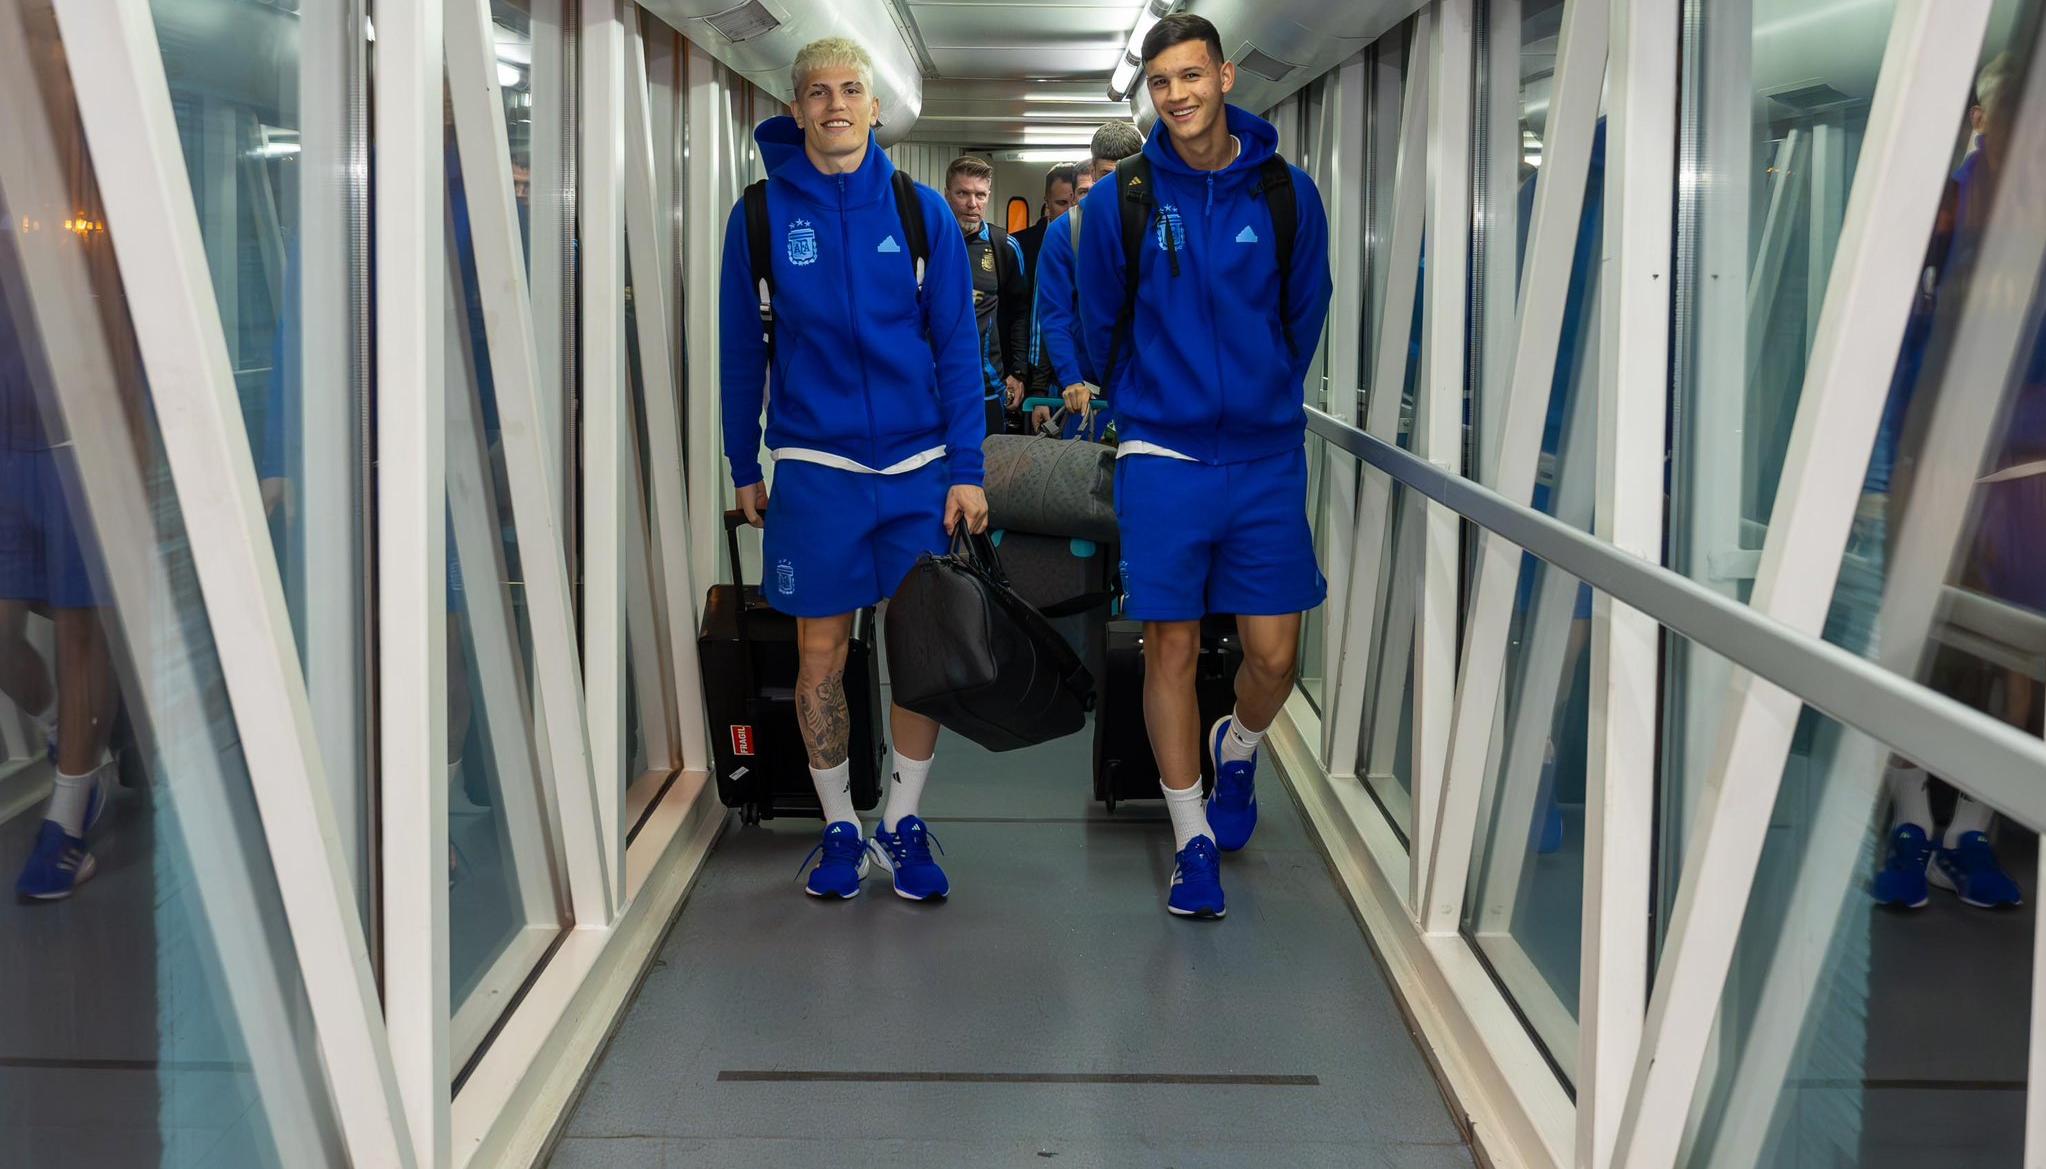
<point>505,899</point>
<point>1845,1036</point>
<point>1386,746</point>
<point>153,1017</point>
<point>1760,218</point>
<point>263,97</point>
<point>1523,906</point>
<point>1321,463</point>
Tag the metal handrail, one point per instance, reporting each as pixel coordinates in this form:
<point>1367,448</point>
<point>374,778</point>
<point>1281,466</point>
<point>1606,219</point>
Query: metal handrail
<point>1996,762</point>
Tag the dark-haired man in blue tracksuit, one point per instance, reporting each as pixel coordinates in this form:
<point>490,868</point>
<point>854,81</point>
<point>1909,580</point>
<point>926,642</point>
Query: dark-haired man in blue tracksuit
<point>1211,482</point>
<point>874,420</point>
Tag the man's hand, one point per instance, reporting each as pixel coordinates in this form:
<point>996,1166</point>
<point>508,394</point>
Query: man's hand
<point>1015,385</point>
<point>969,501</point>
<point>1080,398</point>
<point>753,501</point>
<point>1040,419</point>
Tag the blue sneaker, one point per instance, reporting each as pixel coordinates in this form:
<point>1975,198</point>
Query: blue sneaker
<point>59,864</point>
<point>1971,872</point>
<point>906,852</point>
<point>1197,881</point>
<point>1901,882</point>
<point>844,863</point>
<point>1232,810</point>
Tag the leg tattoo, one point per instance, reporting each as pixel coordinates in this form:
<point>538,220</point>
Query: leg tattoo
<point>827,725</point>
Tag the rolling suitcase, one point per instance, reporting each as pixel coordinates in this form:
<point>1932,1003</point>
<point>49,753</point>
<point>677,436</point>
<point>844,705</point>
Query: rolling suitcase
<point>748,655</point>
<point>1124,767</point>
<point>1054,571</point>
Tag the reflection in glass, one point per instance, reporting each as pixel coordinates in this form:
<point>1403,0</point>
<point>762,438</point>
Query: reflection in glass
<point>262,99</point>
<point>1845,1037</point>
<point>153,1013</point>
<point>1843,1040</point>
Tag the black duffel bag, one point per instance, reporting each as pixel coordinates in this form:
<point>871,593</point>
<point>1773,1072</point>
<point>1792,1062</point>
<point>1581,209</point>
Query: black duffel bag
<point>965,650</point>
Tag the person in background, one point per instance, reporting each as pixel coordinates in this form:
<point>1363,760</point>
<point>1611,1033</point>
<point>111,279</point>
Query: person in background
<point>1207,380</point>
<point>1061,190</point>
<point>1001,294</point>
<point>48,564</point>
<point>1058,360</point>
<point>874,421</point>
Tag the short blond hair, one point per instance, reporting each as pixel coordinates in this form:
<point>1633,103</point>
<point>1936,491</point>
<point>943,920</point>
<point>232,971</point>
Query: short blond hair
<point>831,53</point>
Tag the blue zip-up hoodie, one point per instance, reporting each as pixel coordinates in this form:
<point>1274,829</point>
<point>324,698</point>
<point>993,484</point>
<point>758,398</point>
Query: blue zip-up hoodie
<point>1057,330</point>
<point>862,370</point>
<point>1205,371</point>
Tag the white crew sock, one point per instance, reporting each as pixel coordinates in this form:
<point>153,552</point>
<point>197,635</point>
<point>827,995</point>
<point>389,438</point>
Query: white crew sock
<point>905,789</point>
<point>834,792</point>
<point>1970,815</point>
<point>1911,802</point>
<point>1189,813</point>
<point>1241,742</point>
<point>70,798</point>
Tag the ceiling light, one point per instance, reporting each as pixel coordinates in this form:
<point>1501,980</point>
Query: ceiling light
<point>1125,75</point>
<point>507,75</point>
<point>1068,154</point>
<point>1074,99</point>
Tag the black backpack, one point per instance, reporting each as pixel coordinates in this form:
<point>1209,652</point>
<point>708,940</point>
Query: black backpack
<point>908,208</point>
<point>1134,183</point>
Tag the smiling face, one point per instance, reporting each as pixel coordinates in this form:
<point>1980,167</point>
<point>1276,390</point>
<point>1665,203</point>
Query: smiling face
<point>968,195</point>
<point>837,111</point>
<point>1187,86</point>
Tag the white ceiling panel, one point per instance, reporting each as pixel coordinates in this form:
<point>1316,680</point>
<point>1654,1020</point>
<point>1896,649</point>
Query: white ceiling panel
<point>971,25</point>
<point>1020,62</point>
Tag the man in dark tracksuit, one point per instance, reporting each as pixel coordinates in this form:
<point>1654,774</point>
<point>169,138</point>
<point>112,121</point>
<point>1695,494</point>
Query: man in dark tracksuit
<point>1061,190</point>
<point>1001,292</point>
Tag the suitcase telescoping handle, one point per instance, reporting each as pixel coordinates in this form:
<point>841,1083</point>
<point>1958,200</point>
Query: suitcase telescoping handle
<point>734,520</point>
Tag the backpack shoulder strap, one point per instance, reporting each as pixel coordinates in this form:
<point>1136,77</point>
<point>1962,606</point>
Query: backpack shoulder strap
<point>757,231</point>
<point>1133,182</point>
<point>1275,184</point>
<point>909,207</point>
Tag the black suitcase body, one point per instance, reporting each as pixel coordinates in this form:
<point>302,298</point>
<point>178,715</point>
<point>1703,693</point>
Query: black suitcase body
<point>1051,570</point>
<point>748,655</point>
<point>1124,767</point>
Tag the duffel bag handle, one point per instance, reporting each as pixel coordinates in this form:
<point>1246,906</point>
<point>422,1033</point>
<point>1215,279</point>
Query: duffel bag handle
<point>977,550</point>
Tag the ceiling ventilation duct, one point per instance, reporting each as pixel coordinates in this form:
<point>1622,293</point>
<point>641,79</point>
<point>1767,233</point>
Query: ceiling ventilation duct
<point>745,22</point>
<point>760,39</point>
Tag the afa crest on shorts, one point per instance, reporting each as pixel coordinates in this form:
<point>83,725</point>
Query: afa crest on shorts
<point>802,243</point>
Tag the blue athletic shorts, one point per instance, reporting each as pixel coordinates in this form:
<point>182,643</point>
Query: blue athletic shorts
<point>42,557</point>
<point>1200,539</point>
<point>839,541</point>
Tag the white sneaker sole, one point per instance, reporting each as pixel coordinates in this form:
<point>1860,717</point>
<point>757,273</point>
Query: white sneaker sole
<point>86,868</point>
<point>1937,877</point>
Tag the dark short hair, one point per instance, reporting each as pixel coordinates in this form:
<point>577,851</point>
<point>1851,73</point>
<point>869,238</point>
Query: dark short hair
<point>971,167</point>
<point>1065,172</point>
<point>1178,29</point>
<point>1115,141</point>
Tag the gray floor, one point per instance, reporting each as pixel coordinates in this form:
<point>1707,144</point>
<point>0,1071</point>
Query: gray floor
<point>1054,959</point>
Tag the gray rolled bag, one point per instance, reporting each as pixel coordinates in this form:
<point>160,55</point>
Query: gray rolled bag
<point>1053,487</point>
